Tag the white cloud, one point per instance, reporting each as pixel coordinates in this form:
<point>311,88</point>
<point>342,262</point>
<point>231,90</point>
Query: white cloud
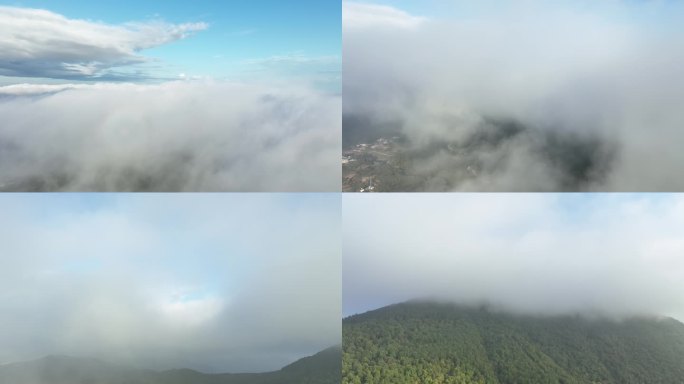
<point>176,136</point>
<point>615,255</point>
<point>364,15</point>
<point>190,312</point>
<point>40,43</point>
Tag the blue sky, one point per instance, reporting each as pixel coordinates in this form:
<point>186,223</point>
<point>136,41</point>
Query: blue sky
<point>244,38</point>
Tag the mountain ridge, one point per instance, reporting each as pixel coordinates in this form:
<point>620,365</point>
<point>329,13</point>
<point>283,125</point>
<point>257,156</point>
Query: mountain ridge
<point>430,342</point>
<point>320,368</point>
<point>495,308</point>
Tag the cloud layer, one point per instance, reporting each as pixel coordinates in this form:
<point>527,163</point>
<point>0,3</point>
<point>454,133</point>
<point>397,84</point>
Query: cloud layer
<point>40,43</point>
<point>177,136</point>
<point>594,90</point>
<point>609,255</point>
<point>218,283</point>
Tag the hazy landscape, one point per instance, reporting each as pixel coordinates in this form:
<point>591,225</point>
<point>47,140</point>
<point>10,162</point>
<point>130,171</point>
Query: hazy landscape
<point>321,368</point>
<point>169,288</point>
<point>513,288</point>
<point>513,96</point>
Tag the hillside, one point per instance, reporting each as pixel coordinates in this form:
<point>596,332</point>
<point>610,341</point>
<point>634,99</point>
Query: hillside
<point>321,368</point>
<point>419,342</point>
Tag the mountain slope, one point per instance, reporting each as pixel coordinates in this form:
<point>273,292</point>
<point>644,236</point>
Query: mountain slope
<point>321,368</point>
<point>440,343</point>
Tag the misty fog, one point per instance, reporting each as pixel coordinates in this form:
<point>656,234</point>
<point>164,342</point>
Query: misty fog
<point>597,255</point>
<point>593,89</point>
<point>216,283</point>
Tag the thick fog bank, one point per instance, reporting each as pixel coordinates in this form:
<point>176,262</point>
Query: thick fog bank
<point>607,256</point>
<point>597,89</point>
<point>177,136</point>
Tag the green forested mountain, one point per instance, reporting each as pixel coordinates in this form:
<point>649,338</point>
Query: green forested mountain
<point>420,342</point>
<point>321,368</point>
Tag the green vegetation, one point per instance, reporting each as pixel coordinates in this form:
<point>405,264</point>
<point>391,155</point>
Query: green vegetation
<point>431,343</point>
<point>321,368</point>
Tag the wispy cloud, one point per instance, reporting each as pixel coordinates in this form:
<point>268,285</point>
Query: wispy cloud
<point>294,58</point>
<point>40,43</point>
<point>323,71</point>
